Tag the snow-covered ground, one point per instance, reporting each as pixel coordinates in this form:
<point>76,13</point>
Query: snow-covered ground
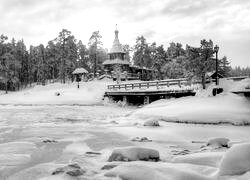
<point>45,142</point>
<point>88,93</point>
<point>203,108</point>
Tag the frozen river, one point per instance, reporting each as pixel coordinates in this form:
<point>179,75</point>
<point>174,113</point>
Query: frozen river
<point>33,135</point>
<point>34,140</point>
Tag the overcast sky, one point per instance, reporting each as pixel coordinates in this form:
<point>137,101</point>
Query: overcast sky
<point>226,22</point>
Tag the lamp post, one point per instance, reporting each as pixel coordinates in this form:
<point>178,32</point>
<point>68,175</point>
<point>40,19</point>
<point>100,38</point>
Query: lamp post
<point>77,75</point>
<point>216,49</point>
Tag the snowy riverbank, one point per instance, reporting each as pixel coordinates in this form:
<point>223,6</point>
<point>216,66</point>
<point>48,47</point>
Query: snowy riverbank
<point>88,93</point>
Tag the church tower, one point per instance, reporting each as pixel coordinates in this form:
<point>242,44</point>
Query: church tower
<point>116,56</point>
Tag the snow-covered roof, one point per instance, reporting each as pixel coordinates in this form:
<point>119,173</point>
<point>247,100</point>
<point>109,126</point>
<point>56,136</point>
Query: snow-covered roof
<point>117,47</point>
<point>116,61</point>
<point>138,67</point>
<point>80,71</point>
<point>213,73</point>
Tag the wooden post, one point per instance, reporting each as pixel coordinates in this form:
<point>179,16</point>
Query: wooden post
<point>146,100</point>
<point>147,85</point>
<point>179,83</point>
<point>124,99</point>
<point>157,85</point>
<point>132,86</point>
<point>167,84</point>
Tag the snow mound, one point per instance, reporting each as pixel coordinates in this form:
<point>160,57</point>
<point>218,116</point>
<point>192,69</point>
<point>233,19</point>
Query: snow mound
<point>227,85</point>
<point>151,123</point>
<point>224,108</point>
<point>136,173</point>
<point>206,158</point>
<point>218,142</point>
<point>156,171</point>
<point>236,161</point>
<point>57,93</point>
<point>134,154</point>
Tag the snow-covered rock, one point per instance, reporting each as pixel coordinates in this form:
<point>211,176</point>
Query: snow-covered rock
<point>236,161</point>
<point>151,123</point>
<point>218,142</point>
<point>142,139</point>
<point>134,154</point>
<point>71,169</point>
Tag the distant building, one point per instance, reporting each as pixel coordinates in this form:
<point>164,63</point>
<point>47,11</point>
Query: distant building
<point>212,75</point>
<point>118,67</point>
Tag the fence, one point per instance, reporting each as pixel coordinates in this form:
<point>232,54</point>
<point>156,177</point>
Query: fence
<point>148,84</point>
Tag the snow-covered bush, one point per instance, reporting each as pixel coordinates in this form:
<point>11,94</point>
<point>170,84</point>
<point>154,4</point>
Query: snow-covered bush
<point>134,154</point>
<point>236,161</point>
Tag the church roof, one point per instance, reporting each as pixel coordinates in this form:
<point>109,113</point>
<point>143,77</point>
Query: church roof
<point>79,71</point>
<point>116,61</point>
<point>117,47</point>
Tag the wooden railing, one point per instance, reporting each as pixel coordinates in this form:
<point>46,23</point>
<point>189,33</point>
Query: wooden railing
<point>148,84</point>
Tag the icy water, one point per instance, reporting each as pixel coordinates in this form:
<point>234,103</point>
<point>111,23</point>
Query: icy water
<point>35,140</point>
<point>34,135</point>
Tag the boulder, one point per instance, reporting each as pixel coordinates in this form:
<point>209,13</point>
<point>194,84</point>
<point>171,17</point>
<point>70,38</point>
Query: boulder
<point>134,154</point>
<point>75,172</point>
<point>71,169</point>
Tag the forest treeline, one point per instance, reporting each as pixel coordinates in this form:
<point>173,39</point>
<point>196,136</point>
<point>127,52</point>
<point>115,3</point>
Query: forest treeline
<point>57,60</point>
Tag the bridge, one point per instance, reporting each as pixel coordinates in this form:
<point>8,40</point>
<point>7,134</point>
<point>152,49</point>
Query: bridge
<point>148,91</point>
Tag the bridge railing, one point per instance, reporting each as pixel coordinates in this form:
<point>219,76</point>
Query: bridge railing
<point>148,84</point>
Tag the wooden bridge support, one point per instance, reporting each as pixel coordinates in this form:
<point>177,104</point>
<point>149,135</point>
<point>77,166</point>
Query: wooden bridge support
<point>146,100</point>
<point>124,99</point>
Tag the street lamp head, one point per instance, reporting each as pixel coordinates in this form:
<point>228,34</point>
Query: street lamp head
<point>216,48</point>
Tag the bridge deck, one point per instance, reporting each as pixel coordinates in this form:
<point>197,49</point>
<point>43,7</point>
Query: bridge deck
<point>150,90</point>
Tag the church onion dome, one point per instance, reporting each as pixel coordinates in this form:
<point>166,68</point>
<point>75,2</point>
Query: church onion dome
<point>117,47</point>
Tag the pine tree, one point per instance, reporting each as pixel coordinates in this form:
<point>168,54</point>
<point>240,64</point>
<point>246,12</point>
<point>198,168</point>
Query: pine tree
<point>68,53</point>
<point>159,57</point>
<point>96,51</point>
<point>224,67</point>
<point>8,63</point>
<point>200,60</point>
<point>142,52</point>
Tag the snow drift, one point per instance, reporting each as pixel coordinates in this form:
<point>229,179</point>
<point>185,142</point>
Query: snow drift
<point>57,93</point>
<point>225,108</point>
<point>236,161</point>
